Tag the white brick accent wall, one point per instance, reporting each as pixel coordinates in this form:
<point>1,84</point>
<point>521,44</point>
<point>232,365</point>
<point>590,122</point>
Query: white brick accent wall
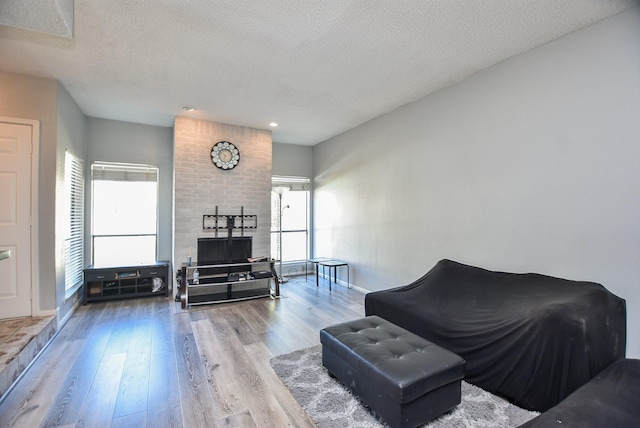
<point>199,185</point>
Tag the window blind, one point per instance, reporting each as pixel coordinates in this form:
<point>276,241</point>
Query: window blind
<point>74,239</point>
<point>291,183</point>
<point>123,172</point>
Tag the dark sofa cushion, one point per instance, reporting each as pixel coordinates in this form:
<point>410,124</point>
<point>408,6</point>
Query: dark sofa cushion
<point>611,399</point>
<point>531,338</point>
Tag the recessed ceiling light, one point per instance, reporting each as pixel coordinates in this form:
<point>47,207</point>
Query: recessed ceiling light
<point>273,124</point>
<point>187,108</point>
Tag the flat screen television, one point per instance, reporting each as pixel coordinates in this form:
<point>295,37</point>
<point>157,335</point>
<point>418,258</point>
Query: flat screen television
<point>214,251</point>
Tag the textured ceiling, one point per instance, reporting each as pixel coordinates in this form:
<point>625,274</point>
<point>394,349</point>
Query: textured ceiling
<point>49,16</point>
<point>317,67</point>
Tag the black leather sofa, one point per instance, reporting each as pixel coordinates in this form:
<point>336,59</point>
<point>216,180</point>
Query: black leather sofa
<point>531,338</point>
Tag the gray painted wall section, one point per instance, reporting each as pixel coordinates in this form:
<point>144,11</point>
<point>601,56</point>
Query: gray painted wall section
<point>114,141</point>
<point>35,98</point>
<point>529,166</point>
<point>292,160</point>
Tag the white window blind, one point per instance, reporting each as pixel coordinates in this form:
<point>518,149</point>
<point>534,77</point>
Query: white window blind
<point>74,237</point>
<point>286,183</point>
<point>123,172</point>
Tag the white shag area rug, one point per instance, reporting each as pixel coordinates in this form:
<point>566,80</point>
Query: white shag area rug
<point>330,404</point>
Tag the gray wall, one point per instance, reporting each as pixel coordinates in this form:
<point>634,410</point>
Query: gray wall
<point>292,160</point>
<point>529,166</point>
<point>62,127</point>
<point>114,141</point>
<point>35,98</point>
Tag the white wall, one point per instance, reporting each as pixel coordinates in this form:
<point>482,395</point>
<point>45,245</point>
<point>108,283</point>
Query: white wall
<point>199,186</point>
<point>529,166</point>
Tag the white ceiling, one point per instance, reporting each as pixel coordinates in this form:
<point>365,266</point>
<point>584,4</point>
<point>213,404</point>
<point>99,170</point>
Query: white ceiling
<point>318,67</point>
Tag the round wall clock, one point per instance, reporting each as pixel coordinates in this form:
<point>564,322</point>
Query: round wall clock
<point>225,155</point>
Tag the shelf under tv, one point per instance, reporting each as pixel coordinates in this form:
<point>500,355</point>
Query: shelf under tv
<point>219,283</point>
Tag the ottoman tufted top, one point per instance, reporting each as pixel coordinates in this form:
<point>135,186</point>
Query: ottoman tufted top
<point>404,365</point>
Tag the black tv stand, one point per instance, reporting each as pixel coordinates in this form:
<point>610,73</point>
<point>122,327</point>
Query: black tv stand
<point>228,282</point>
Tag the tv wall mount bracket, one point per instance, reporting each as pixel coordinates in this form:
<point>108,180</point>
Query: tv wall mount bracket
<point>229,222</point>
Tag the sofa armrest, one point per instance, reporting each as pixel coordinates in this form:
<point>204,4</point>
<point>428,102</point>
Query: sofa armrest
<point>611,399</point>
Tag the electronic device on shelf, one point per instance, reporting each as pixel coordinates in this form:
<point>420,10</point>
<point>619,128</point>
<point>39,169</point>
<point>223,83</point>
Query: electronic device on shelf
<point>261,274</point>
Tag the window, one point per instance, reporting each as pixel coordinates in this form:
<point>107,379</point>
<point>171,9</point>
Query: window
<point>290,215</point>
<point>124,214</point>
<point>74,231</point>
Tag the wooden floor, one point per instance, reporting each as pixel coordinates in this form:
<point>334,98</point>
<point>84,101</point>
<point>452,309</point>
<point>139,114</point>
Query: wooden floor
<point>145,362</point>
<point>20,341</point>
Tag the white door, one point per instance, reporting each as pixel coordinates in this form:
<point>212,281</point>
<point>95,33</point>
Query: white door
<point>15,220</point>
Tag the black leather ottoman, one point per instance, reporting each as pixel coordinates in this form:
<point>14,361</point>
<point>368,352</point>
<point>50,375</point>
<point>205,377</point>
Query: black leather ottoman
<point>404,378</point>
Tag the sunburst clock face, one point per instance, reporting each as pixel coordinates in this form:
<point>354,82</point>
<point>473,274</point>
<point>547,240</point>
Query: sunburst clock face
<point>225,155</point>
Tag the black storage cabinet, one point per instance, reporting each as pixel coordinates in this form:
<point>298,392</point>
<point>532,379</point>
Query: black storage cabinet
<point>121,282</point>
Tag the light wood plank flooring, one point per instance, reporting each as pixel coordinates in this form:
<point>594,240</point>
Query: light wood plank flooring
<point>20,341</point>
<point>145,362</point>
